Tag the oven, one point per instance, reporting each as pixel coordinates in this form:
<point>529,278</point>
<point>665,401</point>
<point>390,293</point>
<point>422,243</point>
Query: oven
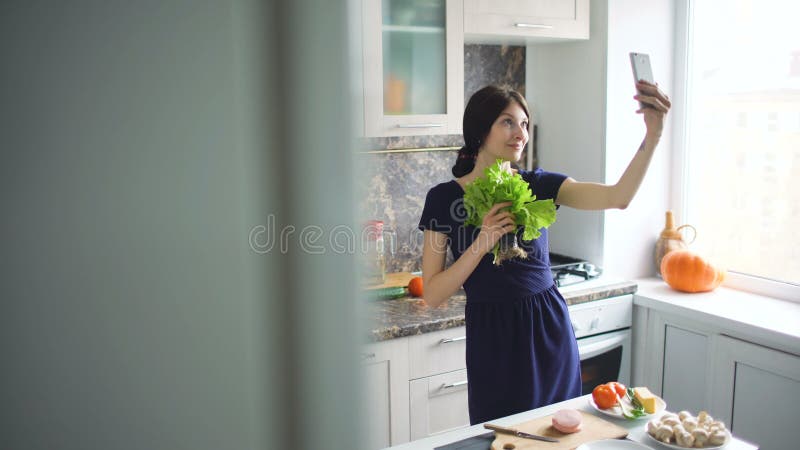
<point>602,327</point>
<point>603,331</point>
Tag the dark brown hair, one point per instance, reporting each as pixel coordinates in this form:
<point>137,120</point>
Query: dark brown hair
<point>482,110</point>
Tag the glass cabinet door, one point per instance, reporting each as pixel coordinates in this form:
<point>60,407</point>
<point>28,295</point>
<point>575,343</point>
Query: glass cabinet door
<point>413,67</point>
<point>414,57</point>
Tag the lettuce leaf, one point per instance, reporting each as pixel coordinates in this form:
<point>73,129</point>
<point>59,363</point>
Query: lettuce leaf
<point>499,185</point>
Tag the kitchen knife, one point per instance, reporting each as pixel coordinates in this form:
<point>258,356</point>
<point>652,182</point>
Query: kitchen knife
<point>518,433</point>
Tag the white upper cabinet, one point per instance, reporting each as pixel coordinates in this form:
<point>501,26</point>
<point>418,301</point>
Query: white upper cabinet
<point>525,21</point>
<point>413,67</point>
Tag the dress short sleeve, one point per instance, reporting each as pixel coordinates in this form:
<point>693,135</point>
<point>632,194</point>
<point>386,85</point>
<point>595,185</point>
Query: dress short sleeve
<point>437,214</point>
<point>545,185</point>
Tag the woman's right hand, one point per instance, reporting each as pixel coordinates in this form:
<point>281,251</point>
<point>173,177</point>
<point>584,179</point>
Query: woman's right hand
<point>495,224</point>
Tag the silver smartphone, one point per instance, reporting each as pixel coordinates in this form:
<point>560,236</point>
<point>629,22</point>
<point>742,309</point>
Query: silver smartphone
<point>640,63</point>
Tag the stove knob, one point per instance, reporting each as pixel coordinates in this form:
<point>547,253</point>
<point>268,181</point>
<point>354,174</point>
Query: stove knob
<point>591,270</point>
<point>595,323</point>
<point>575,326</point>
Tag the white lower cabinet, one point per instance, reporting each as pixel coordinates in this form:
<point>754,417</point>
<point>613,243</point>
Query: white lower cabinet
<point>675,359</point>
<point>757,390</point>
<point>698,366</point>
<point>438,382</point>
<point>414,387</point>
<point>384,372</point>
<point>686,362</point>
<point>438,404</point>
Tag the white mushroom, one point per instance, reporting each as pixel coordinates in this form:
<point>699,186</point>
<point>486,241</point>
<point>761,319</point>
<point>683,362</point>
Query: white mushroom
<point>703,417</point>
<point>663,433</point>
<point>667,415</point>
<point>652,426</point>
<point>690,423</point>
<point>670,420</point>
<point>700,437</point>
<point>718,437</point>
<point>684,438</point>
<point>684,414</point>
<point>718,423</point>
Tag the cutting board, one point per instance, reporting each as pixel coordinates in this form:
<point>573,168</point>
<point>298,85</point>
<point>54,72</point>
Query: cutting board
<point>593,428</point>
<point>395,279</point>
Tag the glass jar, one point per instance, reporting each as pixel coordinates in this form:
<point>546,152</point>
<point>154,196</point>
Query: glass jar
<point>374,252</point>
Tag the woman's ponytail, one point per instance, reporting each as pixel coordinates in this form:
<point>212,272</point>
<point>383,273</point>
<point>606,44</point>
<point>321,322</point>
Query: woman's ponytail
<point>465,161</point>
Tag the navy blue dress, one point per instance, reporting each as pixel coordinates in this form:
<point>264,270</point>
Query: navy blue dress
<point>521,350</point>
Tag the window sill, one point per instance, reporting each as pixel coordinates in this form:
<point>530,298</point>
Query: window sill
<point>763,286</point>
<point>764,320</point>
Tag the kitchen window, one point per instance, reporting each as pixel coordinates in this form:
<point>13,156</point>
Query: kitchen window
<point>738,170</point>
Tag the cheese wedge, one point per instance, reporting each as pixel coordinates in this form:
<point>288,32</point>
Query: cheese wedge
<point>646,398</point>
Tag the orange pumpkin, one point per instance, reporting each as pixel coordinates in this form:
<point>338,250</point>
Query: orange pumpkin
<point>685,270</point>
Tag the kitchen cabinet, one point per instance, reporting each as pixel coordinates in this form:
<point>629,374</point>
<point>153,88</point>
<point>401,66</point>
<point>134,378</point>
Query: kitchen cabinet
<point>525,21</point>
<point>384,371</point>
<point>439,404</point>
<point>704,365</point>
<point>413,67</point>
<point>686,356</point>
<point>756,391</point>
<point>414,386</point>
<point>438,384</point>
<point>677,361</point>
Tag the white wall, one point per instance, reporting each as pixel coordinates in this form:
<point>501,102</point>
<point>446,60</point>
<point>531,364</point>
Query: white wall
<point>630,234</point>
<point>565,86</point>
<point>581,94</point>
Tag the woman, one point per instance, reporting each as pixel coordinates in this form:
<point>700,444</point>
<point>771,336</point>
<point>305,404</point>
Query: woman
<point>521,350</point>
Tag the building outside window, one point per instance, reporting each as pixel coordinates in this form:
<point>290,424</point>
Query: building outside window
<point>741,174</point>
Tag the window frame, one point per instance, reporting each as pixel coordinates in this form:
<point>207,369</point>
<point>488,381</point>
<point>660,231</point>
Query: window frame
<point>681,115</point>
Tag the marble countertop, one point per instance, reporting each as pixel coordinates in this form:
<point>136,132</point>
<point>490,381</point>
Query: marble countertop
<point>407,316</point>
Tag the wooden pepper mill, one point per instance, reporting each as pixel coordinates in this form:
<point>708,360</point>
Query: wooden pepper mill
<point>671,239</point>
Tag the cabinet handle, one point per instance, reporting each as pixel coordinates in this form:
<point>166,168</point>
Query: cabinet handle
<point>452,385</point>
<point>533,25</point>
<point>448,341</point>
<point>421,125</point>
<point>366,356</point>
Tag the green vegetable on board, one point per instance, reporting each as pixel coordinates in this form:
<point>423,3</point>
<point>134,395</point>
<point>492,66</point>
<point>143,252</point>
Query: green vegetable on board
<point>500,185</point>
<point>637,410</point>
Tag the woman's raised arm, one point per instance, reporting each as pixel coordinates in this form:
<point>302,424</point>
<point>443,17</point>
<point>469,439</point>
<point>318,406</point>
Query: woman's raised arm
<point>586,195</point>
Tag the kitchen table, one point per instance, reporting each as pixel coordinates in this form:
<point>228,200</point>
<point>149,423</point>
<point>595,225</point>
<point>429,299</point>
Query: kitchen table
<point>635,428</point>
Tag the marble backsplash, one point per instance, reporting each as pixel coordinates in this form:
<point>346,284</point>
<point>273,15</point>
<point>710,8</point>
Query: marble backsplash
<point>395,184</point>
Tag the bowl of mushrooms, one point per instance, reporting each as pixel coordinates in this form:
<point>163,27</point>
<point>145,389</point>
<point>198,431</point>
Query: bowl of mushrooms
<point>683,430</point>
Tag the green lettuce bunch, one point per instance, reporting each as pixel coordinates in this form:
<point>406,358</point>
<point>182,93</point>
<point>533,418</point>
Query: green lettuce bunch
<point>500,185</point>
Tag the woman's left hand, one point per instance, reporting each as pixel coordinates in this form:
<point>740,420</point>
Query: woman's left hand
<point>657,105</point>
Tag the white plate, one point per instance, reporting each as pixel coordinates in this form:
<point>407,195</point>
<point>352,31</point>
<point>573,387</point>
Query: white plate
<point>611,444</point>
<point>616,411</point>
<point>678,447</point>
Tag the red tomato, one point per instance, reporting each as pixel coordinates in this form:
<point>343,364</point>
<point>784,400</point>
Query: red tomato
<point>415,286</point>
<point>618,387</point>
<point>604,396</point>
